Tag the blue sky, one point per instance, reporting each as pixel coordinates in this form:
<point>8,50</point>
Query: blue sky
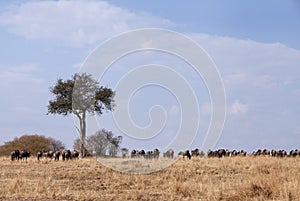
<point>254,44</point>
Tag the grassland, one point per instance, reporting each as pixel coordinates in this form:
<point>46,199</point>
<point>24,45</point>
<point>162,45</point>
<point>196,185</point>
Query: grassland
<point>247,178</point>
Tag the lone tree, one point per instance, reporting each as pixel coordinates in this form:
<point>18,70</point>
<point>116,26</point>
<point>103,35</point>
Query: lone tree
<point>80,95</point>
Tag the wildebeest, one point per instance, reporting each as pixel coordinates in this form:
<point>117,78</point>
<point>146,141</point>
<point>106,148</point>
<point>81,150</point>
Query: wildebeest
<point>226,153</point>
<point>221,153</point>
<point>187,154</point>
<point>216,153</point>
<point>75,154</point>
<point>136,153</point>
<point>169,154</point>
<point>66,155</point>
<point>243,153</point>
<point>266,152</point>
<point>48,154</point>
<point>56,155</point>
<point>148,154</point>
<point>295,153</point>
<point>197,152</point>
<point>156,153</point>
<point>24,155</point>
<point>15,155</point>
<point>39,155</point>
<point>278,153</point>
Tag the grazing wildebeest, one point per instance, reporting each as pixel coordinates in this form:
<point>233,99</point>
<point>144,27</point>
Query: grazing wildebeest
<point>210,153</point>
<point>148,154</point>
<point>220,153</point>
<point>75,154</point>
<point>217,153</point>
<point>134,153</point>
<point>156,153</point>
<point>169,154</point>
<point>39,155</point>
<point>243,153</point>
<point>187,154</point>
<point>15,155</point>
<point>282,153</point>
<point>195,152</point>
<point>234,153</point>
<point>266,152</point>
<point>24,155</point>
<point>227,153</point>
<point>278,153</point>
<point>66,155</point>
<point>294,153</point>
<point>141,153</point>
<point>56,155</point>
<point>257,153</point>
<point>48,154</point>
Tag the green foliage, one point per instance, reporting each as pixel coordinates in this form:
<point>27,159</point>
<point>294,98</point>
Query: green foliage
<point>80,95</point>
<point>31,143</point>
<point>62,104</point>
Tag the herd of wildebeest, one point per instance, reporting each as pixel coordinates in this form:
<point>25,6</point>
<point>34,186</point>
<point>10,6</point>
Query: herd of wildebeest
<point>65,155</point>
<point>68,155</point>
<point>216,153</point>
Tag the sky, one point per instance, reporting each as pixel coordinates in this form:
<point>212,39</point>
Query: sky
<point>254,45</point>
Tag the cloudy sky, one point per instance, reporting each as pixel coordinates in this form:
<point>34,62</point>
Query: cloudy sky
<point>255,46</point>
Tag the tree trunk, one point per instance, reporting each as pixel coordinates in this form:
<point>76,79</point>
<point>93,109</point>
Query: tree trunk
<point>82,120</point>
<point>83,134</point>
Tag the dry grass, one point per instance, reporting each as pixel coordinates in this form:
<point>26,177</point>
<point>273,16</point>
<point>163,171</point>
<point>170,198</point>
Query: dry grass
<point>261,178</point>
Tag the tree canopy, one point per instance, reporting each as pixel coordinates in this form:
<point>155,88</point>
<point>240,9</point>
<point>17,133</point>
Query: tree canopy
<point>31,143</point>
<point>80,95</point>
<point>103,142</point>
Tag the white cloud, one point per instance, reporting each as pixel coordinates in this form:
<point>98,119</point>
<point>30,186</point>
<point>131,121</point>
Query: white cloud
<point>20,74</point>
<point>238,108</point>
<point>247,58</point>
<point>74,23</point>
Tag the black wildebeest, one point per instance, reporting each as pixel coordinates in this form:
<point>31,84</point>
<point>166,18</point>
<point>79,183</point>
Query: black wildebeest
<point>24,155</point>
<point>15,155</point>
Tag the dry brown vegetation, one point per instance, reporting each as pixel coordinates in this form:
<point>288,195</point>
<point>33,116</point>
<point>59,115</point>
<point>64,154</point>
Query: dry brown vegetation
<point>236,178</point>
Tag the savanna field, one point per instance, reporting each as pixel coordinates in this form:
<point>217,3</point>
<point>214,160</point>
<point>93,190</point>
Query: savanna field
<point>235,178</point>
